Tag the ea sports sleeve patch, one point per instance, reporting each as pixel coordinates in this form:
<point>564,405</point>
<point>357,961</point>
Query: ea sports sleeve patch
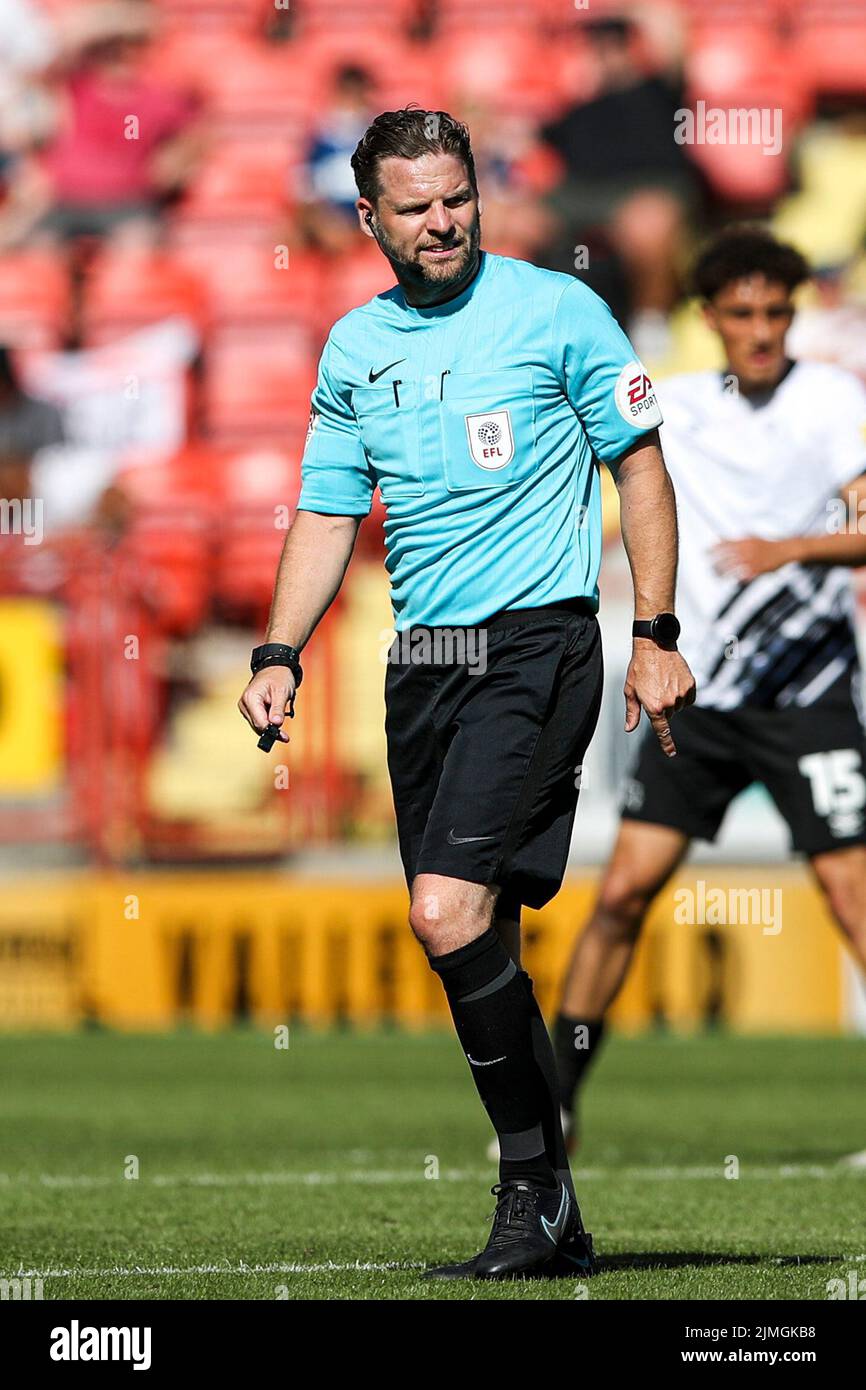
<point>605,382</point>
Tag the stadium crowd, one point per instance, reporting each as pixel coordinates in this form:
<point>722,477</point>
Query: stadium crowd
<point>177,224</point>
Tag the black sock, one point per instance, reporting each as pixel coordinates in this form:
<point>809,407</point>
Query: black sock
<point>554,1142</point>
<point>495,1017</point>
<point>576,1041</point>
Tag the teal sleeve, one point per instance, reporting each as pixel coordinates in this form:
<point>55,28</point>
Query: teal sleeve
<point>601,374</point>
<point>335,475</point>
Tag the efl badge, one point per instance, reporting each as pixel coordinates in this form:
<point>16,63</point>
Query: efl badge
<point>491,442</point>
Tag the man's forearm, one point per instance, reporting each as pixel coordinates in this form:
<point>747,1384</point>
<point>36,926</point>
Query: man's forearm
<point>838,549</point>
<point>648,519</point>
<point>315,558</point>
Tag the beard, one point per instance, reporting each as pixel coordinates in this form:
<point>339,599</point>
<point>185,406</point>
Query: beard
<point>424,272</point>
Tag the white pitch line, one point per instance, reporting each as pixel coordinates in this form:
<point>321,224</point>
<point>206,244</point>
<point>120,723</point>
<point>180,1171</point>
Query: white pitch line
<point>367,1176</point>
<point>385,1177</point>
<point>294,1267</point>
<point>143,1271</point>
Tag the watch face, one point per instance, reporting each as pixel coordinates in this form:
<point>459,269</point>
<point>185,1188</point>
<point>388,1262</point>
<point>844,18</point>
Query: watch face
<point>665,629</point>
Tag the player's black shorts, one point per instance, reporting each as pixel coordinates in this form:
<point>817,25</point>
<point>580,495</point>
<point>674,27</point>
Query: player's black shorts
<point>811,760</point>
<point>485,756</point>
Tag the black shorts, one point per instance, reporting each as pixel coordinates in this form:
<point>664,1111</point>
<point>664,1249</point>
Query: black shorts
<point>484,755</point>
<point>811,760</point>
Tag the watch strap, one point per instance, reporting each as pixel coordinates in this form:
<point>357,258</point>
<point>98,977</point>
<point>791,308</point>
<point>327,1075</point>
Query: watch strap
<point>277,654</point>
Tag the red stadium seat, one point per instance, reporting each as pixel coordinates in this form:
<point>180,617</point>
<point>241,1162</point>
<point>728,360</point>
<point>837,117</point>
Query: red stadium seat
<point>171,552</point>
<point>243,184</point>
<point>176,508</point>
<point>259,488</point>
<point>246,286</point>
<point>187,480</point>
<point>403,71</point>
<point>358,277</point>
<point>249,88</point>
<point>720,52</point>
<point>742,173</point>
<point>34,299</point>
<point>506,68</point>
<point>734,12</point>
<point>129,288</point>
<point>210,481</point>
<point>331,16</point>
<point>484,15</point>
<point>209,523</point>
<point>258,90</point>
<point>245,16</point>
<point>257,384</point>
<point>832,56</point>
<point>245,566</point>
<point>257,480</point>
<point>745,68</point>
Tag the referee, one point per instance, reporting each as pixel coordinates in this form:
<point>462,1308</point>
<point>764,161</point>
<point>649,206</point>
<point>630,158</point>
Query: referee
<point>479,394</point>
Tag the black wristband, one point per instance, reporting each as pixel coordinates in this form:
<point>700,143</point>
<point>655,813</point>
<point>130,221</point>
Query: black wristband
<point>277,654</point>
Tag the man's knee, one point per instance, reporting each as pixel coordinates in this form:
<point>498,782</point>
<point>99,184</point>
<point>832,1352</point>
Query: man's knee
<point>842,877</point>
<point>447,913</point>
<point>623,902</point>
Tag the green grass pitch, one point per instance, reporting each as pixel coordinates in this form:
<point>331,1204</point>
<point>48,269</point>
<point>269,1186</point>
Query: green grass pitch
<point>309,1172</point>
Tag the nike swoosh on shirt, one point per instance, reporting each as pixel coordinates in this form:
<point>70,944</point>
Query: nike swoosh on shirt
<point>554,1229</point>
<point>374,376</point>
<point>466,839</point>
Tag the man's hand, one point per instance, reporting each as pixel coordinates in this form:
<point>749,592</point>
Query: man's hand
<point>660,683</point>
<point>746,559</point>
<point>265,699</point>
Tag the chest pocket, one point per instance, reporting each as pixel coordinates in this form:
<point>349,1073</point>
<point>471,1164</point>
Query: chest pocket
<point>488,428</point>
<point>388,420</point>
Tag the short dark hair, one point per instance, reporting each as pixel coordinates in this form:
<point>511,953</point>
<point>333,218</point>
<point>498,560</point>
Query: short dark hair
<point>747,250</point>
<point>408,134</point>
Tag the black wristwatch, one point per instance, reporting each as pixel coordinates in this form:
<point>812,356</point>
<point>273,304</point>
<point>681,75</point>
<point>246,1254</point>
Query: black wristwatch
<point>277,654</point>
<point>663,629</point>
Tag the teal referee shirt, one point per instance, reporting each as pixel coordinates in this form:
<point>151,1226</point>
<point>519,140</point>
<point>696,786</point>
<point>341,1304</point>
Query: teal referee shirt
<point>482,421</point>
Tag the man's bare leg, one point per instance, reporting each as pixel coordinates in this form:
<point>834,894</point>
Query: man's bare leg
<point>643,859</point>
<point>509,935</point>
<point>841,876</point>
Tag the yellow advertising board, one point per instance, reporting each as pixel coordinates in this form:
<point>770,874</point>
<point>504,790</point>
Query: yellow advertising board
<point>31,697</point>
<point>152,950</point>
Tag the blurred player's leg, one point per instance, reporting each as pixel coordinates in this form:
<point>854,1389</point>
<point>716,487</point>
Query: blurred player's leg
<point>643,859</point>
<point>841,875</point>
<point>509,934</point>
